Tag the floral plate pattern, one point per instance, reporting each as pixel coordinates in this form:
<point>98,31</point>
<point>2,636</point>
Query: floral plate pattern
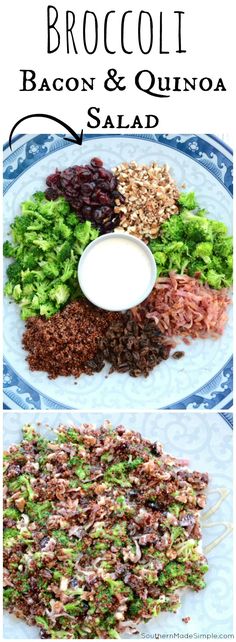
<point>204,378</point>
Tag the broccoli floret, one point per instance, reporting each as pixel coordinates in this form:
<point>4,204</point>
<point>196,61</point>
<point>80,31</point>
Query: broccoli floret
<point>188,550</point>
<point>204,251</point>
<point>26,313</point>
<point>202,213</point>
<point>8,249</point>
<point>10,537</point>
<point>117,473</point>
<point>10,596</point>
<point>61,230</point>
<point>68,270</point>
<point>60,634</point>
<point>135,607</point>
<point>170,572</point>
<point>84,232</point>
<point>11,513</point>
<point>44,244</point>
<point>93,233</point>
<point>32,276</point>
<point>42,262</point>
<point>64,251</point>
<point>47,310</point>
<point>195,580</point>
<point>218,228</point>
<point>61,206</point>
<point>113,634</point>
<point>160,258</point>
<point>28,207</point>
<point>39,196</point>
<point>39,511</point>
<point>14,272</point>
<point>188,200</point>
<point>61,537</point>
<point>198,267</point>
<point>193,244</point>
<point>19,227</point>
<point>175,509</point>
<point>51,269</point>
<point>42,622</point>
<point>196,228</point>
<point>47,209</point>
<point>8,288</point>
<point>82,470</point>
<point>22,483</point>
<point>177,532</point>
<point>175,246</point>
<point>223,246</point>
<point>60,294</point>
<point>172,230</point>
<point>217,264</point>
<point>72,219</point>
<point>17,292</point>
<point>28,290</point>
<point>29,433</point>
<point>37,301</point>
<point>30,260</point>
<point>214,279</point>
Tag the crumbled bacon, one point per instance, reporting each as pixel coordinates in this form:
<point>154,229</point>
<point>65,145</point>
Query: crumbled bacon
<point>182,306</point>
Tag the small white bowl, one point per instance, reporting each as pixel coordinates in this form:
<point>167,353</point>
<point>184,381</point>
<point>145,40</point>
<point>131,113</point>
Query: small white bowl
<point>114,275</point>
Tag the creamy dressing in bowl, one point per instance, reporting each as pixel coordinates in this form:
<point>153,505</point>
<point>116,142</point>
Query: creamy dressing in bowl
<point>117,271</point>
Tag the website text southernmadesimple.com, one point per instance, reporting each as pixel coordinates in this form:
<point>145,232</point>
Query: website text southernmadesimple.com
<point>187,636</point>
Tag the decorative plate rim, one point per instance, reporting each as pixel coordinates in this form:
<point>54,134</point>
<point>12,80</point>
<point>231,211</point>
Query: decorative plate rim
<point>193,146</point>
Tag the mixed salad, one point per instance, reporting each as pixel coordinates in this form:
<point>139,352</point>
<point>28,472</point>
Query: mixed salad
<point>101,531</point>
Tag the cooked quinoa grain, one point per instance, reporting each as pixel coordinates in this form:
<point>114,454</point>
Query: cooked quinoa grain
<point>67,343</point>
<point>101,529</point>
<point>151,196</point>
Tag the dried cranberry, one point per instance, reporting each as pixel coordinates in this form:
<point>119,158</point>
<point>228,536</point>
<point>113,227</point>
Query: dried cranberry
<point>51,194</point>
<point>44,542</point>
<point>153,505</point>
<point>90,190</point>
<point>13,471</point>
<point>87,188</point>
<point>104,199</point>
<point>86,210</point>
<point>86,175</point>
<point>107,211</point>
<point>104,173</point>
<point>113,183</point>
<point>117,194</point>
<point>54,179</point>
<point>85,605</point>
<point>104,185</point>
<point>96,162</point>
<point>98,216</point>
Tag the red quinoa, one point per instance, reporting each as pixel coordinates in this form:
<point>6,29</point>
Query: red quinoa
<point>66,344</point>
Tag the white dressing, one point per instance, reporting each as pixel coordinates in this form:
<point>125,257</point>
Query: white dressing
<point>117,271</point>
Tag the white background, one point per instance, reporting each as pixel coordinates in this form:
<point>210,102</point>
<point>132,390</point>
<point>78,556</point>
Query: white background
<point>208,34</point>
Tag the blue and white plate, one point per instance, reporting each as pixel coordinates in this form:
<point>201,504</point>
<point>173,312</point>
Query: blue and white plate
<point>205,439</point>
<point>203,379</point>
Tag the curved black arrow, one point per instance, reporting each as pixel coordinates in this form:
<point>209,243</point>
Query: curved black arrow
<point>77,138</point>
